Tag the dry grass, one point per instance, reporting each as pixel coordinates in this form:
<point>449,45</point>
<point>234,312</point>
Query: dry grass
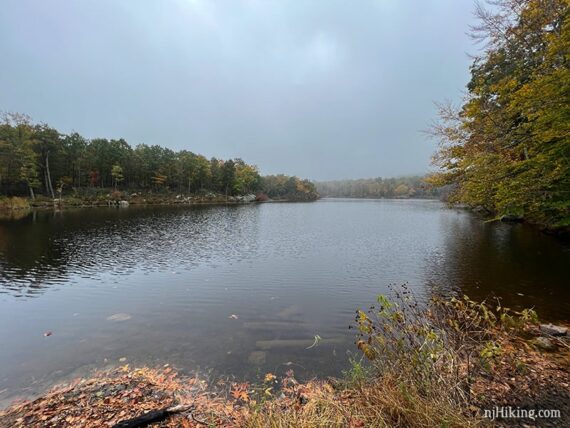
<point>384,402</point>
<point>14,203</point>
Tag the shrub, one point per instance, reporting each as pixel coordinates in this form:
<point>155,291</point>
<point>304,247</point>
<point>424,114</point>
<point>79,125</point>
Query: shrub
<point>436,347</point>
<point>14,203</point>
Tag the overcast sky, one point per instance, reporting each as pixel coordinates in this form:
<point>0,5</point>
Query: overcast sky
<point>321,89</point>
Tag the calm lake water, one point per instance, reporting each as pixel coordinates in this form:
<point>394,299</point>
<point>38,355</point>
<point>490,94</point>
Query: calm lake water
<point>160,285</point>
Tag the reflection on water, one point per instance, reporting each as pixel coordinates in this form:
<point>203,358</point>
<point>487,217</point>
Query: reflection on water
<point>242,290</point>
<point>50,248</point>
<point>517,263</point>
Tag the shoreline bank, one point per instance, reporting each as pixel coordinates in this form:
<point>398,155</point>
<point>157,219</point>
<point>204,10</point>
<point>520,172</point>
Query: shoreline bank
<point>8,204</point>
<point>452,369</point>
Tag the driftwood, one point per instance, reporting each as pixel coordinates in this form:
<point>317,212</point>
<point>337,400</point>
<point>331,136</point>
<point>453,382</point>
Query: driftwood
<point>295,343</point>
<point>155,416</point>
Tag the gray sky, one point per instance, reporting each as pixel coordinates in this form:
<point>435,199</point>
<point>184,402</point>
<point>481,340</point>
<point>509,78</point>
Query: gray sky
<point>321,89</point>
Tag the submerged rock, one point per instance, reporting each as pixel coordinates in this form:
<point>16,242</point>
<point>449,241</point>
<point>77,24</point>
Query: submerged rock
<point>119,317</point>
<point>257,358</point>
<point>553,330</point>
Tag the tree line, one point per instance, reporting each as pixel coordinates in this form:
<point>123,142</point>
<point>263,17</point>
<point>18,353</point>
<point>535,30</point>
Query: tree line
<point>402,187</point>
<point>506,149</point>
<point>36,158</point>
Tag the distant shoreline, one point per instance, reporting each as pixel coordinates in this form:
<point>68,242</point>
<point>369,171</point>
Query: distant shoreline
<point>407,198</point>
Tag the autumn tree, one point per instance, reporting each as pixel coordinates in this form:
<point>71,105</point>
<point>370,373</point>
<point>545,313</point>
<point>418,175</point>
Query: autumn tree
<point>247,178</point>
<point>507,147</point>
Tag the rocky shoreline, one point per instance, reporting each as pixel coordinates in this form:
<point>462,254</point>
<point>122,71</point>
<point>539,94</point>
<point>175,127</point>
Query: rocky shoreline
<point>123,200</point>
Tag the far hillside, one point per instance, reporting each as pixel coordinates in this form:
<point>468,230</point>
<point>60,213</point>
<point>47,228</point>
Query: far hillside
<point>401,188</point>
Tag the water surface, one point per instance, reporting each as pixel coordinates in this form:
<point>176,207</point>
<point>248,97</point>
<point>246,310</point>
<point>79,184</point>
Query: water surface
<point>223,288</point>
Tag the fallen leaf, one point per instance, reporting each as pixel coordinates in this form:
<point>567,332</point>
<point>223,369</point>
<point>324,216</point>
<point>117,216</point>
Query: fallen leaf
<point>239,391</point>
<point>356,423</point>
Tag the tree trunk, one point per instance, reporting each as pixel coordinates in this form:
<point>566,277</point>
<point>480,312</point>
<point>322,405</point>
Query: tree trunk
<point>33,196</point>
<point>156,416</point>
<point>48,177</point>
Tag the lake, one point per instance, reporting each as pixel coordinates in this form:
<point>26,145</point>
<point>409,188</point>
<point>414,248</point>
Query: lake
<point>243,290</point>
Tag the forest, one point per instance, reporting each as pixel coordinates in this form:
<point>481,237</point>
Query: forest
<point>402,187</point>
<point>38,159</point>
<point>506,149</point>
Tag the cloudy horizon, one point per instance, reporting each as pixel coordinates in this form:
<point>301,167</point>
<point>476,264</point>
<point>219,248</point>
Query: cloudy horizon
<point>323,90</point>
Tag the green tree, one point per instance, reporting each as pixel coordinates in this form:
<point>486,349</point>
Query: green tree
<point>48,145</point>
<point>76,161</point>
<point>15,130</point>
<point>29,169</point>
<point>203,172</point>
<point>228,175</point>
<point>32,155</point>
<point>216,180</point>
<point>117,174</point>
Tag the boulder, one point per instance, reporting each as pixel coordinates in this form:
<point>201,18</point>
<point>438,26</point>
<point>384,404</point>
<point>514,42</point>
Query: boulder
<point>511,218</point>
<point>553,330</point>
<point>544,343</point>
<point>479,209</point>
